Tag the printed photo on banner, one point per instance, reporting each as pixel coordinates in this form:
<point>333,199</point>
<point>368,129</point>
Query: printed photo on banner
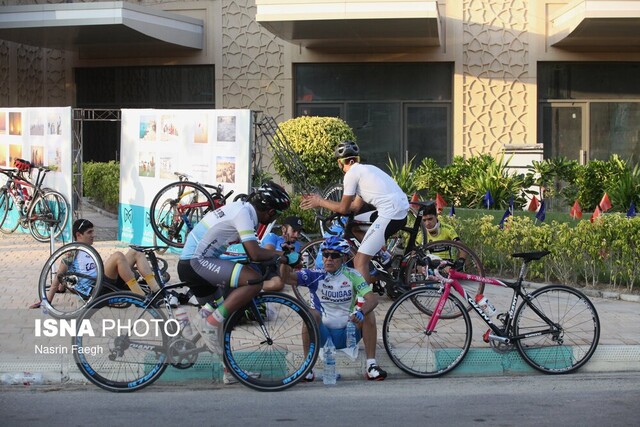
<point>146,164</point>
<point>201,130</point>
<point>226,129</point>
<point>15,152</point>
<point>226,169</point>
<point>54,124</point>
<point>15,123</point>
<point>165,165</point>
<point>3,155</point>
<point>3,122</point>
<point>54,155</point>
<point>37,155</point>
<point>36,123</point>
<point>169,125</point>
<point>148,128</point>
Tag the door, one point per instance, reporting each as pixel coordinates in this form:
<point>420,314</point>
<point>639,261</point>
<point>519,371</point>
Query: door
<point>564,131</point>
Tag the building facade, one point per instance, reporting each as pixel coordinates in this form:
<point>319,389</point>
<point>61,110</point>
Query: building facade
<point>412,78</point>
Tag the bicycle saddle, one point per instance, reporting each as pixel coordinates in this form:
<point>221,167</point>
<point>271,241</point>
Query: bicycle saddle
<point>531,256</point>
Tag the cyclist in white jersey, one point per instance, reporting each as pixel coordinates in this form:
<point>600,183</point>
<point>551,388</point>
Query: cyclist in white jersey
<point>200,264</point>
<point>365,184</point>
<point>333,294</point>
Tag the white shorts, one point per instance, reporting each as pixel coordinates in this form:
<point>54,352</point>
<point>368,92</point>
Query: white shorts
<point>378,232</point>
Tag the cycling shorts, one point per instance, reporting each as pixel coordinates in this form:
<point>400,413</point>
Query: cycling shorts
<point>204,273</point>
<point>338,336</point>
<point>378,232</point>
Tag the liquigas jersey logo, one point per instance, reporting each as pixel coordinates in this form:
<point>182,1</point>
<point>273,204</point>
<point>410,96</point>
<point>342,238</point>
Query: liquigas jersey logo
<point>128,327</point>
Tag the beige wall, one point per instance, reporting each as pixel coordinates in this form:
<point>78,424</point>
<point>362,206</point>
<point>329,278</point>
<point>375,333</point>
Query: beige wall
<point>495,45</point>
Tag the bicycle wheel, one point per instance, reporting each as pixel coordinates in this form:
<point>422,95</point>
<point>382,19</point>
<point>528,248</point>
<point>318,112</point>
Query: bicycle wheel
<point>49,208</point>
<point>176,209</point>
<point>308,255</point>
<point>333,192</point>
<point>9,213</point>
<point>450,250</point>
<point>274,349</point>
<point>411,348</point>
<point>79,269</point>
<point>577,335</point>
<point>122,358</point>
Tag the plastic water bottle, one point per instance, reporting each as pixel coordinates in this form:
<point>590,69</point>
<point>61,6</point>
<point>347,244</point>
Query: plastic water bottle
<point>385,257</point>
<point>24,378</point>
<point>351,337</point>
<point>329,371</point>
<point>485,305</point>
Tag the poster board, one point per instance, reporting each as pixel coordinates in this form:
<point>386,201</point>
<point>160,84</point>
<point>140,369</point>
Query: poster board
<point>211,146</point>
<point>44,137</point>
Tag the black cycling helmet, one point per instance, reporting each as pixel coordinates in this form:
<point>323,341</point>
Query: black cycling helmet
<point>347,149</point>
<point>271,196</point>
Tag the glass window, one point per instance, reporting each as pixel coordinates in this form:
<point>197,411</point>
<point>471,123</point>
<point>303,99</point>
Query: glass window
<point>615,128</point>
<point>377,129</point>
<point>595,80</point>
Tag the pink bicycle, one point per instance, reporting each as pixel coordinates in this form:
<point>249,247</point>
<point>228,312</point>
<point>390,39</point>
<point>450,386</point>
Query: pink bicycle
<point>427,332</point>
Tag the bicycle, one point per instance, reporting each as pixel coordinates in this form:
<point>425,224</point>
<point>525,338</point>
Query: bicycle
<point>402,272</point>
<point>263,351</point>
<point>82,281</point>
<point>38,209</point>
<point>555,328</point>
<point>179,206</point>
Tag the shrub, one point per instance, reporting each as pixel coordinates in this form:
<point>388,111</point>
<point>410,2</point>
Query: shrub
<point>101,181</point>
<point>313,139</point>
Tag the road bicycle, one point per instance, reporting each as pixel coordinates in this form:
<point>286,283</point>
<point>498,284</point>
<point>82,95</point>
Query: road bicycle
<point>262,343</point>
<point>179,206</point>
<point>28,204</point>
<point>79,268</point>
<point>555,328</point>
<point>404,271</point>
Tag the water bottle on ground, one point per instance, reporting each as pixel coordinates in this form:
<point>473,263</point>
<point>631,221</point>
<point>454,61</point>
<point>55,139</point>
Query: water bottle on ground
<point>352,344</point>
<point>329,371</point>
<point>23,378</point>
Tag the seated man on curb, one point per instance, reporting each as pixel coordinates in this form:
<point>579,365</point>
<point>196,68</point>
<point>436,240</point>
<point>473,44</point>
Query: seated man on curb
<point>291,229</point>
<point>118,268</point>
<point>334,291</point>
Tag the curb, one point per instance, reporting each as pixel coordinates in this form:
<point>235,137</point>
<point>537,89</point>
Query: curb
<point>478,362</point>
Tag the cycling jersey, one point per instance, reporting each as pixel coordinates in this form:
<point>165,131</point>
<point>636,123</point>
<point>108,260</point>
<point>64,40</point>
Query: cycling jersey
<point>233,223</point>
<point>277,241</point>
<point>82,263</point>
<point>445,232</point>
<point>334,294</point>
<point>377,188</point>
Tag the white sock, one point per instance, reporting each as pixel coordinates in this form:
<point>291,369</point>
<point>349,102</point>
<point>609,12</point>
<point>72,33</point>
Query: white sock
<point>370,362</point>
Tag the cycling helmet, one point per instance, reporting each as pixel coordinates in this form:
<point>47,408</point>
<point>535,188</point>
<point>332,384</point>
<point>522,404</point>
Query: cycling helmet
<point>347,149</point>
<point>271,196</point>
<point>335,243</point>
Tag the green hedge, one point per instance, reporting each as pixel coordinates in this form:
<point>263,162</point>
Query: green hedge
<point>101,182</point>
<point>585,253</point>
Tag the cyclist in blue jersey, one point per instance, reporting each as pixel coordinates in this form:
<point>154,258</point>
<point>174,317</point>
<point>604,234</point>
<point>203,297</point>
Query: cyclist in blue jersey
<point>202,267</point>
<point>118,268</point>
<point>333,297</point>
<point>288,241</point>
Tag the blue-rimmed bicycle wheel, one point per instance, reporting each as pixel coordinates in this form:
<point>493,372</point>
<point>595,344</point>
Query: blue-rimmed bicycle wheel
<point>271,353</point>
<point>128,349</point>
<point>9,215</point>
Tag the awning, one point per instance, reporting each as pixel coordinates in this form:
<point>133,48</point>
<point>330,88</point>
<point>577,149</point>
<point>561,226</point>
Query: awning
<point>352,26</point>
<point>102,29</point>
<point>597,26</point>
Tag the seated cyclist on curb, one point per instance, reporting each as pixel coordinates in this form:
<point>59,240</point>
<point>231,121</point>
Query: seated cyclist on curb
<point>436,232</point>
<point>332,304</point>
<point>118,268</point>
<point>291,228</point>
<point>200,262</point>
<point>365,184</point>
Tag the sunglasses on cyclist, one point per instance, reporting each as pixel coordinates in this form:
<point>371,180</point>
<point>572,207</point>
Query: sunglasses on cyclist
<point>332,255</point>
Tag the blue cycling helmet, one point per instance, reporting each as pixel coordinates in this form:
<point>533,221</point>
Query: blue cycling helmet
<point>336,243</point>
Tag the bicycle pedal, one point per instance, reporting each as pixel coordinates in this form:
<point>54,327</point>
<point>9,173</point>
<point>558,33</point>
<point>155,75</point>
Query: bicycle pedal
<point>485,336</point>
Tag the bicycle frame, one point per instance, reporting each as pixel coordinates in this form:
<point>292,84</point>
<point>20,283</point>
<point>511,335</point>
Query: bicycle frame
<point>501,334</point>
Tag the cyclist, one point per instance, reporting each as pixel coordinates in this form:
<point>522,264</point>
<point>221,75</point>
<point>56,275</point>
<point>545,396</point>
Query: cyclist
<point>333,294</point>
<point>365,184</point>
<point>118,268</point>
<point>436,231</point>
<point>291,228</point>
<point>201,264</point>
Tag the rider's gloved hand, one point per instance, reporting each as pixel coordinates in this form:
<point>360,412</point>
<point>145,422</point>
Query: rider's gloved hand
<point>458,265</point>
<point>358,317</point>
<point>293,259</point>
<point>287,248</point>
